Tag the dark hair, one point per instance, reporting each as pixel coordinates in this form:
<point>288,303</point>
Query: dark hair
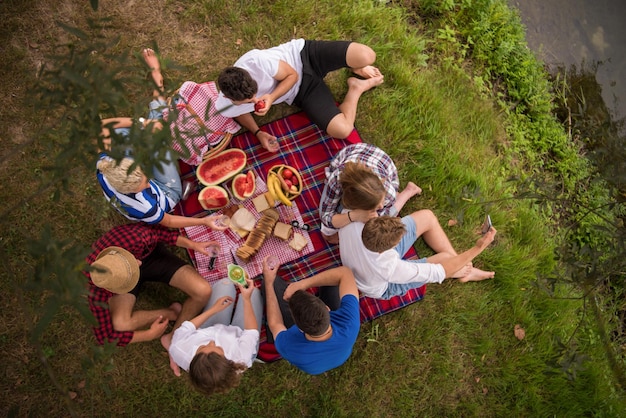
<point>309,313</point>
<point>212,373</point>
<point>382,233</point>
<point>361,188</point>
<point>237,84</point>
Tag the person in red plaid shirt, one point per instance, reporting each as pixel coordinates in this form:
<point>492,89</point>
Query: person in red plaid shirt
<point>125,257</point>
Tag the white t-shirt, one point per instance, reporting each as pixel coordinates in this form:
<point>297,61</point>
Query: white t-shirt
<point>239,345</point>
<point>262,64</point>
<point>374,271</point>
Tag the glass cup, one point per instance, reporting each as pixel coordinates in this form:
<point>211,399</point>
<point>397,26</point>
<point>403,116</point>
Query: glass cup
<point>214,251</point>
<point>222,221</point>
<point>272,262</point>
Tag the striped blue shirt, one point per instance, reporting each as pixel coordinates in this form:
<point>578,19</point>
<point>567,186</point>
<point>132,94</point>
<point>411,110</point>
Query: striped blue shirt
<point>149,205</point>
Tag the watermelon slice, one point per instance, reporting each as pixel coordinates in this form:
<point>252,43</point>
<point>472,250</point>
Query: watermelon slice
<point>244,185</point>
<point>213,197</point>
<point>220,167</point>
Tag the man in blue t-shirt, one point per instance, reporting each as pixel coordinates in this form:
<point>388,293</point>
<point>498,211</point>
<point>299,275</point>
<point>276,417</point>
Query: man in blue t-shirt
<point>321,338</point>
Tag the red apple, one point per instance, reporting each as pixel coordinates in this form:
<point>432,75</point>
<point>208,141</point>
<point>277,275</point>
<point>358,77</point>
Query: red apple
<point>287,174</point>
<point>260,105</point>
<point>288,183</point>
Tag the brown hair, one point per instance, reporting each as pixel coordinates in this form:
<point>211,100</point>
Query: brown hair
<point>362,189</point>
<point>309,313</point>
<point>118,176</point>
<point>237,84</point>
<point>382,233</point>
<point>213,373</point>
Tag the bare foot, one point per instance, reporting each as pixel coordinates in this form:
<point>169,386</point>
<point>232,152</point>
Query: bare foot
<point>166,341</point>
<point>412,189</point>
<point>367,72</point>
<point>464,271</point>
<point>174,309</point>
<point>477,275</point>
<point>331,239</point>
<point>151,59</point>
<point>360,85</point>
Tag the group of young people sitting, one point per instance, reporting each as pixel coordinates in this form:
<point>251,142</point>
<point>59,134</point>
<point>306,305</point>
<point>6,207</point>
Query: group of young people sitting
<point>215,332</point>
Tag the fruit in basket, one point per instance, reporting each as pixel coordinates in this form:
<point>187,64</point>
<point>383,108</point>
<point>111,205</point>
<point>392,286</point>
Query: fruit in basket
<point>285,182</point>
<point>221,167</point>
<point>244,185</point>
<point>213,197</point>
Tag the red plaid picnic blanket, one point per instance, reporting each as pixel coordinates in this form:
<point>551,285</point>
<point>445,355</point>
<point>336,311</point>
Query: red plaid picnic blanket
<point>309,150</point>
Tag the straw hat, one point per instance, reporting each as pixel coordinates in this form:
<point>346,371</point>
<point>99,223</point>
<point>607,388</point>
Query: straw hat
<point>115,270</point>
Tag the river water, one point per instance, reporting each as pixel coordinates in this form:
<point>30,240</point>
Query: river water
<point>581,32</point>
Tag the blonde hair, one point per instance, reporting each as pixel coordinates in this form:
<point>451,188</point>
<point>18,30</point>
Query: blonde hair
<point>382,233</point>
<point>361,188</point>
<point>118,175</point>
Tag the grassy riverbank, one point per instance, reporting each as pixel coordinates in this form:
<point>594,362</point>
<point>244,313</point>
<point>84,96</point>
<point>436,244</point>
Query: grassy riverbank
<point>460,117</point>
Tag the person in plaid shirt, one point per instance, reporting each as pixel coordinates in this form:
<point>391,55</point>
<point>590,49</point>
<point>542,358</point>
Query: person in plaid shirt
<point>372,172</point>
<point>121,260</point>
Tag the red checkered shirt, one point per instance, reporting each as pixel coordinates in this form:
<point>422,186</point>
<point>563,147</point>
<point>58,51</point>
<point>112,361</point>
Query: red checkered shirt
<point>138,238</point>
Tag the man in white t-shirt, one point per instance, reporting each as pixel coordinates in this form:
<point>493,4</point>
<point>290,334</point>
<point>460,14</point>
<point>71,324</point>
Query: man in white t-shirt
<point>374,250</point>
<point>294,73</point>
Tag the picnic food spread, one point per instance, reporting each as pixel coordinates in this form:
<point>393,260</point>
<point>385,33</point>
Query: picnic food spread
<point>258,235</point>
<point>213,197</point>
<point>244,185</point>
<point>284,183</point>
<point>222,166</point>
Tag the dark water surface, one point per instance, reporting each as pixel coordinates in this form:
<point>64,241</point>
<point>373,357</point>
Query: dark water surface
<point>572,32</point>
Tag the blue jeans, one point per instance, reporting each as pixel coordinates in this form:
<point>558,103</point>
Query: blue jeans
<point>405,244</point>
<point>166,175</point>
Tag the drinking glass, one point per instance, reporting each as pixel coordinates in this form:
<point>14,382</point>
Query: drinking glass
<point>272,262</point>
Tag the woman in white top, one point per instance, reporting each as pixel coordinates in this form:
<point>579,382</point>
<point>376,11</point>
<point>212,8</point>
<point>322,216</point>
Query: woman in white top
<point>216,346</point>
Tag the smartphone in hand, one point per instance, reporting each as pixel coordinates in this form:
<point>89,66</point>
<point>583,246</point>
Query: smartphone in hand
<point>486,225</point>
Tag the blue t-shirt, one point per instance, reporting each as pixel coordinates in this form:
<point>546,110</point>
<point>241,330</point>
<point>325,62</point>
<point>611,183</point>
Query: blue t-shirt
<point>149,205</point>
<point>316,357</point>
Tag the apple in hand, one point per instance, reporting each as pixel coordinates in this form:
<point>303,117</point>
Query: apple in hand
<point>260,105</point>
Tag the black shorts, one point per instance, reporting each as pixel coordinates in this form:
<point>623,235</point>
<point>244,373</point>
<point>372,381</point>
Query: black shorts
<point>314,97</point>
<point>159,266</point>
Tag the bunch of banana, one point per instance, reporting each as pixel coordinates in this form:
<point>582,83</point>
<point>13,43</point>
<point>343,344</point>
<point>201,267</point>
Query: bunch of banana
<point>257,236</point>
<point>284,183</point>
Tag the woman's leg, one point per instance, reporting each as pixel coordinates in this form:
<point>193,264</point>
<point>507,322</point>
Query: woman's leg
<point>257,307</point>
<point>222,288</point>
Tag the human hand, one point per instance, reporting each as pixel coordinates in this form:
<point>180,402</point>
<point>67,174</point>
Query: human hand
<point>201,247</point>
<point>222,303</point>
<point>291,289</point>
<point>361,215</point>
<point>267,101</point>
<point>268,141</point>
<point>269,275</point>
<point>484,241</point>
<point>211,222</point>
<point>158,326</point>
<point>246,291</point>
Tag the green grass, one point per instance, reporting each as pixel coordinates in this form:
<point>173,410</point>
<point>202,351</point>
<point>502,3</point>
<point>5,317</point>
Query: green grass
<point>452,354</point>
